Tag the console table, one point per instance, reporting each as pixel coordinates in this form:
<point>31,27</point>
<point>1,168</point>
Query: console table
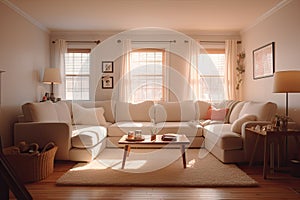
<point>269,137</point>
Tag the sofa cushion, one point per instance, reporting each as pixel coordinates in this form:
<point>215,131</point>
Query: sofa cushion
<point>201,109</point>
<point>142,112</point>
<point>121,128</point>
<point>187,128</point>
<point>84,136</point>
<point>235,112</point>
<point>63,112</point>
<point>88,116</point>
<point>237,124</point>
<point>40,112</point>
<point>107,105</point>
<point>263,111</point>
<point>223,137</point>
<point>175,111</point>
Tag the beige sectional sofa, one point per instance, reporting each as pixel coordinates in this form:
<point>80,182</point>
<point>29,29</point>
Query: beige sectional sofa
<point>83,129</point>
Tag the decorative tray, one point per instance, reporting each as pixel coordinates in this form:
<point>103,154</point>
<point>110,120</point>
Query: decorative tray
<point>135,139</point>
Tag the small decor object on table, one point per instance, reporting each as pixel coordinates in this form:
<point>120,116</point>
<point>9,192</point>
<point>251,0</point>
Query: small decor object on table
<point>169,137</point>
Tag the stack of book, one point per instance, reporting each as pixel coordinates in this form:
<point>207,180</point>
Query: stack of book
<point>169,137</point>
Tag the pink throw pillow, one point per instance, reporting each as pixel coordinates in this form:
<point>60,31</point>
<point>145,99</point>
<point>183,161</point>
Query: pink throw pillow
<point>216,114</point>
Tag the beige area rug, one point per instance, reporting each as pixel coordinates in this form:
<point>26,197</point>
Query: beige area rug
<point>162,167</point>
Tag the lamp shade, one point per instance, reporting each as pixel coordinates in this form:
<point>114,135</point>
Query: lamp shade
<point>52,75</point>
<point>286,82</point>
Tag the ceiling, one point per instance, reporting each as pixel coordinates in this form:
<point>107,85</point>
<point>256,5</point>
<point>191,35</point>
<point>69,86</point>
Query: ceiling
<point>119,15</point>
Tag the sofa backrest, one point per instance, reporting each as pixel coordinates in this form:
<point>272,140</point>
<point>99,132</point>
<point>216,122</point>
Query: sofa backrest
<point>143,111</point>
<point>46,112</point>
<point>175,111</point>
<point>263,111</point>
<point>107,105</point>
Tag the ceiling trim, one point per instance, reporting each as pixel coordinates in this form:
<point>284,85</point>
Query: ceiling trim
<point>25,15</point>
<point>267,14</point>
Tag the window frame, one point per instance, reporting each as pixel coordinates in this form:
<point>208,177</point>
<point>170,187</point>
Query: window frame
<point>163,75</point>
<point>78,50</point>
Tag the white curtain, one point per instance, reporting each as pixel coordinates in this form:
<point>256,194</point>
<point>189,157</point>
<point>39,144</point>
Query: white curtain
<point>125,87</point>
<point>230,74</point>
<point>58,61</point>
<point>192,90</point>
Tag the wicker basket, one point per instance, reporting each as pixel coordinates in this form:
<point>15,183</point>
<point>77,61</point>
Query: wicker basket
<point>32,167</point>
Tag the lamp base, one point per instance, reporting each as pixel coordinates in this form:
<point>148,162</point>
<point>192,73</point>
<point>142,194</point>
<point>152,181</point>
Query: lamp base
<point>52,97</point>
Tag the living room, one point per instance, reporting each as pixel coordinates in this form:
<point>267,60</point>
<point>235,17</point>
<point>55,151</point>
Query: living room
<point>26,48</point>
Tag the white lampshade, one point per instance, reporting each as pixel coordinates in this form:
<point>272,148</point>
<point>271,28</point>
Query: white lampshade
<point>52,75</point>
<point>286,82</point>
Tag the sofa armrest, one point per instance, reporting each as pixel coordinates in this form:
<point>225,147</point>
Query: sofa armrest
<point>43,132</point>
<point>249,140</point>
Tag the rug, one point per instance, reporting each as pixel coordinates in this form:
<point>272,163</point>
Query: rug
<point>203,170</point>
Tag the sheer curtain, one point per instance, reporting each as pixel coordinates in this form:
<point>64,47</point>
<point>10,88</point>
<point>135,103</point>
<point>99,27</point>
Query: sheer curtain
<point>230,73</point>
<point>125,88</point>
<point>193,88</point>
<point>58,61</point>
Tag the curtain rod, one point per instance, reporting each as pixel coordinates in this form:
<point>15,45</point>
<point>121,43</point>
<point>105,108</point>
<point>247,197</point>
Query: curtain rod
<point>71,41</point>
<point>145,41</point>
<point>239,42</point>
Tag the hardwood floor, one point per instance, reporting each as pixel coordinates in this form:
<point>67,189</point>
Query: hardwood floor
<point>279,186</point>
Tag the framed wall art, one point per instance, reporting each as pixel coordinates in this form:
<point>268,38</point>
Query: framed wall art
<point>264,61</point>
<point>107,82</point>
<point>107,66</point>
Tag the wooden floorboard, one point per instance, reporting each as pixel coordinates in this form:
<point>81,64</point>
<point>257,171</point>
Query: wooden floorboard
<point>280,186</point>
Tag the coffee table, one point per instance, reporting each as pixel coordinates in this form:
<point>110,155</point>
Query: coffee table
<point>181,142</point>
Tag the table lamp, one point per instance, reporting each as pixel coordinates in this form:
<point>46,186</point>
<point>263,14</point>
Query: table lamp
<point>52,76</point>
<point>286,82</point>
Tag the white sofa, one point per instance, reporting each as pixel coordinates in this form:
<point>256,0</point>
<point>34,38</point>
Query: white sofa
<point>83,129</point>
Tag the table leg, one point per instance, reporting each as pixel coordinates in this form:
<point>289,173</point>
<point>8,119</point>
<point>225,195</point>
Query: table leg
<point>183,155</point>
<point>126,153</point>
<point>266,157</point>
<point>254,150</point>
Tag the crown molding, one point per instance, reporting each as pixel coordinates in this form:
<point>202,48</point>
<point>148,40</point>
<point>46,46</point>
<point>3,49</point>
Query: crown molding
<point>25,15</point>
<point>267,14</point>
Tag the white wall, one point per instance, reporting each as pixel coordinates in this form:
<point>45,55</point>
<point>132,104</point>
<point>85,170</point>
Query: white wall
<point>24,52</point>
<point>283,28</point>
<point>110,50</point>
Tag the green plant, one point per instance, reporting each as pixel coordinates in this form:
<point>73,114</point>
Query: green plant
<point>240,69</point>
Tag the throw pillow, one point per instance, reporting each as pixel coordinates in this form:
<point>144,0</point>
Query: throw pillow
<point>63,112</point>
<point>88,116</point>
<point>216,114</point>
<point>237,124</point>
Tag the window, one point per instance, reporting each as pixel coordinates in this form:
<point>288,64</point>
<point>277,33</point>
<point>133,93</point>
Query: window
<point>212,67</point>
<point>147,74</point>
<point>77,74</point>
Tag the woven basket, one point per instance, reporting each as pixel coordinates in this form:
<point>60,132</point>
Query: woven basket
<point>32,167</point>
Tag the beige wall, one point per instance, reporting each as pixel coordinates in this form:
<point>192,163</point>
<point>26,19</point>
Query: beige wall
<point>24,52</point>
<point>283,28</point>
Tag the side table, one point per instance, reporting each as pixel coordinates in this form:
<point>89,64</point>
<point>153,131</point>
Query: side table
<point>269,137</point>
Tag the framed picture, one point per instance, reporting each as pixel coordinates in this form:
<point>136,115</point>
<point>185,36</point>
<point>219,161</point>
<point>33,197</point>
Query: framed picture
<point>264,61</point>
<point>107,66</point>
<point>107,82</point>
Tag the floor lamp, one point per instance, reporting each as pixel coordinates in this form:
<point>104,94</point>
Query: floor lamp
<point>52,76</point>
<point>286,82</point>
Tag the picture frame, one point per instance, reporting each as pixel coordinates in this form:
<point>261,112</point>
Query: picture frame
<point>264,61</point>
<point>107,82</point>
<point>107,66</point>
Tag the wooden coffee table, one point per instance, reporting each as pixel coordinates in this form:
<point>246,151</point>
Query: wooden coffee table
<point>181,142</point>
